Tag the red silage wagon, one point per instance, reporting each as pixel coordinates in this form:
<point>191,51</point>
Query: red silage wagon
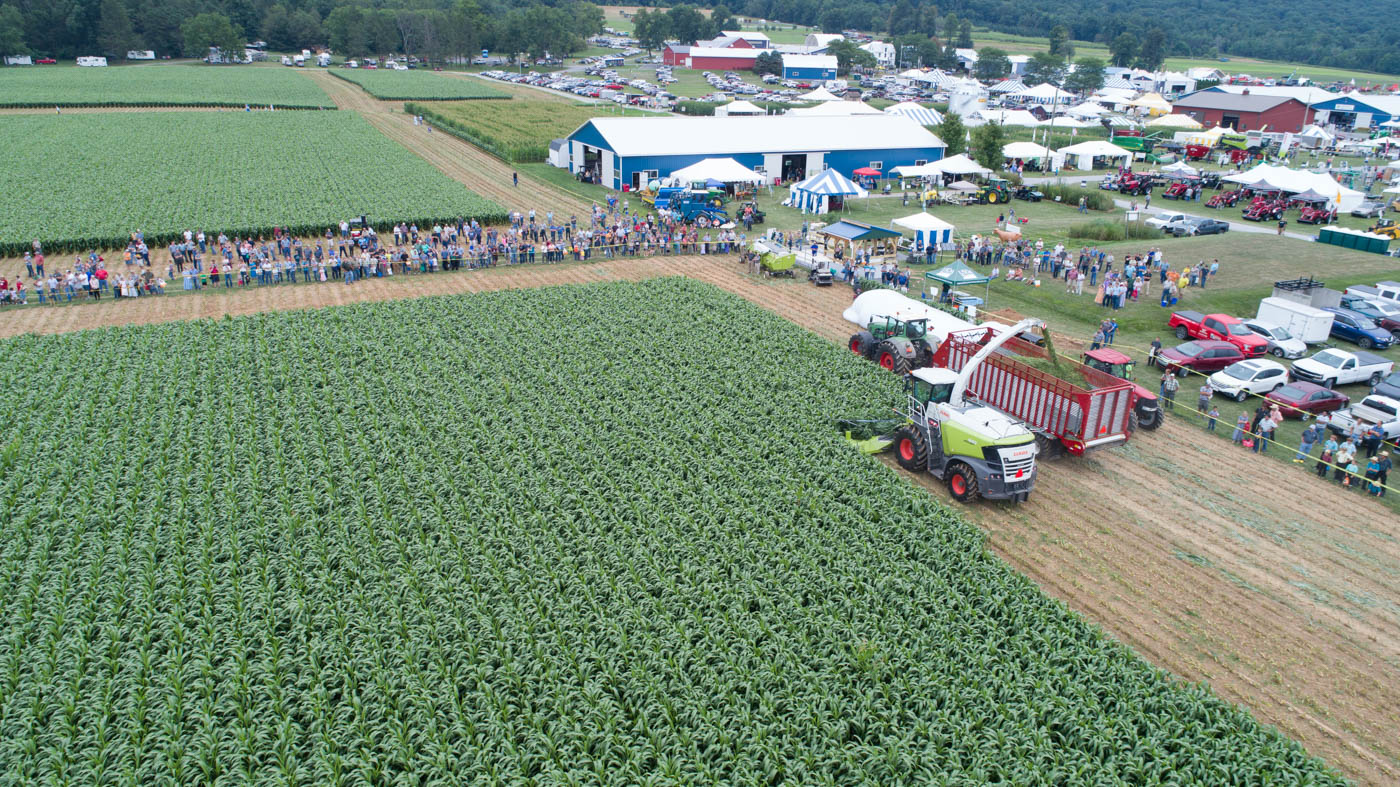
<point>1061,413</point>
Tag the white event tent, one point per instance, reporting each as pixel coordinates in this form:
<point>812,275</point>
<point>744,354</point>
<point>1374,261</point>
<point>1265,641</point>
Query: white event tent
<point>740,107</point>
<point>1295,181</point>
<point>1026,150</point>
<point>813,194</point>
<point>820,94</point>
<point>929,230</point>
<point>1085,152</point>
<point>724,170</point>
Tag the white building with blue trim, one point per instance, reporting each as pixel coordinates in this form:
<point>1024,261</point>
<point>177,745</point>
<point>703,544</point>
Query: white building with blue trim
<point>629,152</point>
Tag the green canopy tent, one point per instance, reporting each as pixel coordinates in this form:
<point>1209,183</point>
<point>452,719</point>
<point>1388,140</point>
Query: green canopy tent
<point>956,274</point>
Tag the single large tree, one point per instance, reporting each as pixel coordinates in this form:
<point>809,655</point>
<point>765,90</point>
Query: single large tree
<point>1045,67</point>
<point>651,28</point>
<point>847,55</point>
<point>115,37</point>
<point>987,142</point>
<point>1060,43</point>
<point>964,34</point>
<point>1123,49</point>
<point>1086,77</point>
<point>953,133</point>
<point>686,24</point>
<point>1153,50</point>
<point>992,63</point>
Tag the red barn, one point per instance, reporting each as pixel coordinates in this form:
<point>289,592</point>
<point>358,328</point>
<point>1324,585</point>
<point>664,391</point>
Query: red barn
<point>731,59</point>
<point>675,54</point>
<point>1244,111</point>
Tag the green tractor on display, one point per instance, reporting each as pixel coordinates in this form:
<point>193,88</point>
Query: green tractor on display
<point>994,191</point>
<point>897,345</point>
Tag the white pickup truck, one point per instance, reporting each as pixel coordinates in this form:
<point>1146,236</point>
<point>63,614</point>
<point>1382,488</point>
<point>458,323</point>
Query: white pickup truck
<point>1333,367</point>
<point>1373,409</point>
<point>1167,219</point>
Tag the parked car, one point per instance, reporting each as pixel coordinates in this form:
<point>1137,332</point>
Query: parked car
<point>1194,325</point>
<point>1282,344</point>
<point>1372,409</point>
<point>1359,329</point>
<point>1198,226</point>
<point>1369,210</point>
<point>1388,386</point>
<point>45,61</point>
<point>1333,367</point>
<point>1383,313</point>
<point>1299,400</point>
<point>1028,194</point>
<point>1254,376</point>
<point>1202,355</point>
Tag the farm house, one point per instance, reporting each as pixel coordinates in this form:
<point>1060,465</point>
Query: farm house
<point>626,153</point>
<point>812,67</point>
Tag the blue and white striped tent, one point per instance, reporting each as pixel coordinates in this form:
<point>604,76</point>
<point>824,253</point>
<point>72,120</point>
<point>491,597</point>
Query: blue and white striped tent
<point>813,194</point>
<point>924,116</point>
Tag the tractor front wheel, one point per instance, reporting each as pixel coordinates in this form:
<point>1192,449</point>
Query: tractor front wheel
<point>862,343</point>
<point>962,482</point>
<point>1152,421</point>
<point>911,448</point>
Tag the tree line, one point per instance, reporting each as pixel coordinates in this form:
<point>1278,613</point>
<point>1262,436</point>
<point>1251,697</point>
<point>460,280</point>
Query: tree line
<point>431,28</point>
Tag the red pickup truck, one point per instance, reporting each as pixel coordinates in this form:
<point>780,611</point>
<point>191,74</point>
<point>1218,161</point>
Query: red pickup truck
<point>1221,327</point>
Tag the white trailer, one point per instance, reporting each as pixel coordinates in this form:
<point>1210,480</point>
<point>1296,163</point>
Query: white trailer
<point>92,62</point>
<point>299,60</point>
<point>1303,321</point>
<point>324,59</point>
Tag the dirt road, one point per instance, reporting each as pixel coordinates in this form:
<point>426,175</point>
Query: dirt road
<point>479,171</point>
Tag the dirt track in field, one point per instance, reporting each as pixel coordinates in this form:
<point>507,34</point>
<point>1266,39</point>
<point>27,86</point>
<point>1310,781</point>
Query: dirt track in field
<point>479,171</point>
<point>1212,563</point>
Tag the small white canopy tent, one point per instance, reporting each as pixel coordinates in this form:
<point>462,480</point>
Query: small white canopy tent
<point>724,170</point>
<point>929,230</point>
<point>1026,150</point>
<point>1174,121</point>
<point>924,116</point>
<point>1316,132</point>
<point>1180,168</point>
<point>1085,152</point>
<point>959,165</point>
<point>813,195</point>
<point>740,107</point>
<point>1380,142</point>
<point>1089,109</point>
<point>835,109</point>
<point>820,94</point>
<point>1005,117</point>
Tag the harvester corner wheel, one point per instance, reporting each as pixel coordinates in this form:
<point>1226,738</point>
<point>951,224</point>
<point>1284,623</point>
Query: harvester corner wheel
<point>911,448</point>
<point>889,357</point>
<point>862,343</point>
<point>962,482</point>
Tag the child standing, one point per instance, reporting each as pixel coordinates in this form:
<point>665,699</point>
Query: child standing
<point>1241,426</point>
<point>1211,418</point>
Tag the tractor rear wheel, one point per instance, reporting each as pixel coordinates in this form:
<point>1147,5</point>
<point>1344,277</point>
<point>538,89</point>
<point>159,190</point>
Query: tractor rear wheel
<point>862,343</point>
<point>992,198</point>
<point>889,357</point>
<point>911,448</point>
<point>962,482</point>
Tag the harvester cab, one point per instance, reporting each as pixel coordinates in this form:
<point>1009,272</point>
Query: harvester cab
<point>975,450</point>
<point>895,344</point>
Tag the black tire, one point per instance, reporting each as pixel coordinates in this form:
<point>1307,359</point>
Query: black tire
<point>1375,379</point>
<point>863,344</point>
<point>962,482</point>
<point>1181,332</point>
<point>1364,342</point>
<point>1329,383</point>
<point>911,448</point>
<point>889,357</point>
<point>1277,352</point>
<point>1151,422</point>
<point>1242,395</point>
<point>1132,421</point>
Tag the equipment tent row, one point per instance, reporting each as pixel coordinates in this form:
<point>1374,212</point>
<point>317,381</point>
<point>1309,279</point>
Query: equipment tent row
<point>1266,177</point>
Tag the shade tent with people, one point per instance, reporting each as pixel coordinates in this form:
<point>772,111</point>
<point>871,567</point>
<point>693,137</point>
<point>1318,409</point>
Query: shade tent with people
<point>953,165</point>
<point>822,192</point>
<point>723,170</point>
<point>1180,168</point>
<point>929,231</point>
<point>1086,153</point>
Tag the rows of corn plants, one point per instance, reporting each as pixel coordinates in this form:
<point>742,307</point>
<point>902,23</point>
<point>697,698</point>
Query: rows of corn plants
<point>86,181</point>
<point>159,86</point>
<point>399,543</point>
<point>417,85</point>
<point>518,130</point>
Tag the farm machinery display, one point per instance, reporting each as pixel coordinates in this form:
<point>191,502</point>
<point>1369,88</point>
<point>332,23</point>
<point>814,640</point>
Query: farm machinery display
<point>995,190</point>
<point>1225,199</point>
<point>1265,208</point>
<point>1317,213</point>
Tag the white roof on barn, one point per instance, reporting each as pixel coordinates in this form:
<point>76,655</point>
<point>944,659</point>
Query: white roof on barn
<point>680,136</point>
<point>740,53</point>
<point>1304,93</point>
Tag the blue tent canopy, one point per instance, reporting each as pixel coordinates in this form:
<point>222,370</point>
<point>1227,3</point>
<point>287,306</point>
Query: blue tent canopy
<point>813,193</point>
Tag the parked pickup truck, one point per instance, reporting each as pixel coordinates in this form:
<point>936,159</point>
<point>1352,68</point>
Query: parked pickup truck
<point>1221,327</point>
<point>1372,410</point>
<point>1333,367</point>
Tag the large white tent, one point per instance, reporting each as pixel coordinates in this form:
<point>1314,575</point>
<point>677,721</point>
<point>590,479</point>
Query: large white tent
<point>724,170</point>
<point>1088,109</point>
<point>814,194</point>
<point>960,164</point>
<point>929,230</point>
<point>1085,152</point>
<point>1044,93</point>
<point>924,116</point>
<point>1295,181</point>
<point>1005,117</point>
<point>835,109</point>
<point>820,94</point>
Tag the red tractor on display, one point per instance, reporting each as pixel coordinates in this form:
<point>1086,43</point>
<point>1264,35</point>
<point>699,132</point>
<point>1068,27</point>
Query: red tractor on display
<point>1316,214</point>
<point>1265,209</point>
<point>1225,199</point>
<point>1176,190</point>
<point>1132,184</point>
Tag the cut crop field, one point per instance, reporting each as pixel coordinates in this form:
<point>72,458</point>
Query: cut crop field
<point>328,564</point>
<point>416,85</point>
<point>518,130</point>
<point>82,181</point>
<point>161,85</point>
